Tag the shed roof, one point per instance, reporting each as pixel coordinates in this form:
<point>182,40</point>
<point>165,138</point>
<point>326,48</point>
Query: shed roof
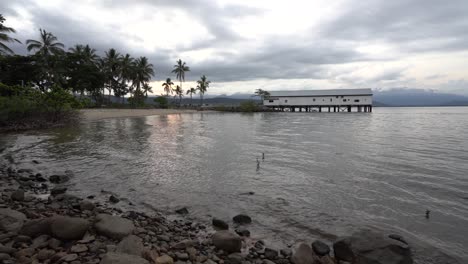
<point>334,92</point>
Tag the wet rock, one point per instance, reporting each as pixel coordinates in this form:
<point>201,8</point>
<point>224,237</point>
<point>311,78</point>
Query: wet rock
<point>150,255</point>
<point>7,250</point>
<point>164,259</point>
<point>79,248</point>
<point>11,220</point>
<point>26,252</point>
<point>85,205</point>
<point>286,252</point>
<point>192,252</point>
<point>40,178</point>
<point>59,178</point>
<point>69,258</point>
<point>270,253</point>
<point>113,199</point>
<point>58,190</point>
<point>242,219</point>
<point>241,231</point>
<point>183,244</point>
<point>182,211</point>
<point>234,258</point>
<point>22,239</point>
<point>4,256</point>
<point>54,243</point>
<point>113,226</point>
<point>45,254</point>
<point>131,244</point>
<point>227,241</point>
<point>320,248</point>
<point>17,195</point>
<point>182,256</point>
<point>36,227</point>
<point>69,228</point>
<point>23,260</point>
<point>90,196</point>
<point>220,224</point>
<point>302,254</point>
<point>122,258</point>
<point>40,241</point>
<point>368,246</point>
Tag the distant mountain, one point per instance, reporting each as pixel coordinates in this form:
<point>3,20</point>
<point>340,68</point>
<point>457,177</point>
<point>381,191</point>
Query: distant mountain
<point>417,97</point>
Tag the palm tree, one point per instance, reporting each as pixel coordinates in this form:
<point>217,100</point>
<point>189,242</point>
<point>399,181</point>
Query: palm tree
<point>202,86</point>
<point>5,38</point>
<point>46,45</point>
<point>126,75</point>
<point>191,91</point>
<point>143,70</point>
<point>179,69</point>
<point>178,91</point>
<point>111,67</point>
<point>146,89</point>
<point>85,53</point>
<point>168,86</point>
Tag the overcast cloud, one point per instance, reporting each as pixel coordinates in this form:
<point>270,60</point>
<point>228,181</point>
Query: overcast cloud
<point>244,45</point>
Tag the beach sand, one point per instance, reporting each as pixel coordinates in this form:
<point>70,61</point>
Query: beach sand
<point>98,114</point>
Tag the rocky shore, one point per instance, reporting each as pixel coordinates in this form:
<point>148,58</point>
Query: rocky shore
<point>41,223</point>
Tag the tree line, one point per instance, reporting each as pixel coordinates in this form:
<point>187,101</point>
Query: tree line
<point>82,71</point>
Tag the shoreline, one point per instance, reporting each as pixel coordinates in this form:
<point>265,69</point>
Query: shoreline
<point>42,222</point>
<point>99,114</point>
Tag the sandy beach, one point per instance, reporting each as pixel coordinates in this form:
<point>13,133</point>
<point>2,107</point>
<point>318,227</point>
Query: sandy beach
<point>98,114</point>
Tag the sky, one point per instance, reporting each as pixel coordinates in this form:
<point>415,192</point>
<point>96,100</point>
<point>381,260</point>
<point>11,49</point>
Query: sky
<point>273,45</point>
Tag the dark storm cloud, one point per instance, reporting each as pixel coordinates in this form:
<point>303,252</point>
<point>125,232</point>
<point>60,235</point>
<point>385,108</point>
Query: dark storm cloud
<point>417,26</point>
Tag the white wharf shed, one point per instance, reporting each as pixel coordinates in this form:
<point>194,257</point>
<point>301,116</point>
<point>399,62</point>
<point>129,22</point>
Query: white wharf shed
<point>338,100</point>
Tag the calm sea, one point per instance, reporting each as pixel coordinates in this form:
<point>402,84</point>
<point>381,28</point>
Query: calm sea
<point>324,174</point>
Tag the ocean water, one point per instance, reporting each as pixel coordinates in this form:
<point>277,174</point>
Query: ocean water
<point>324,175</point>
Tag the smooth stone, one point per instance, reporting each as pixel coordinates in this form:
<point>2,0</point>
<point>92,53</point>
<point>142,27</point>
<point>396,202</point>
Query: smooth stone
<point>270,253</point>
<point>234,258</point>
<point>58,190</point>
<point>242,219</point>
<point>79,248</point>
<point>131,244</point>
<point>113,199</point>
<point>227,241</point>
<point>45,254</point>
<point>164,259</point>
<point>58,178</point>
<point>182,211</point>
<point>320,248</point>
<point>241,231</point>
<point>220,224</point>
<point>122,258</point>
<point>68,228</point>
<point>69,257</point>
<point>183,244</point>
<point>182,256</point>
<point>7,250</point>
<point>368,246</point>
<point>302,253</point>
<point>36,227</point>
<point>11,220</point>
<point>40,241</point>
<point>17,195</point>
<point>113,226</point>
<point>4,256</point>
<point>86,205</point>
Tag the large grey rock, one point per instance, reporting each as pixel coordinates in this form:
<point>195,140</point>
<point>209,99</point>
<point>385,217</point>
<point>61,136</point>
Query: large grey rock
<point>227,241</point>
<point>113,226</point>
<point>122,258</point>
<point>36,227</point>
<point>367,246</point>
<point>68,228</point>
<point>320,248</point>
<point>242,219</point>
<point>220,224</point>
<point>302,254</point>
<point>18,195</point>
<point>11,220</point>
<point>131,245</point>
<point>59,178</point>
